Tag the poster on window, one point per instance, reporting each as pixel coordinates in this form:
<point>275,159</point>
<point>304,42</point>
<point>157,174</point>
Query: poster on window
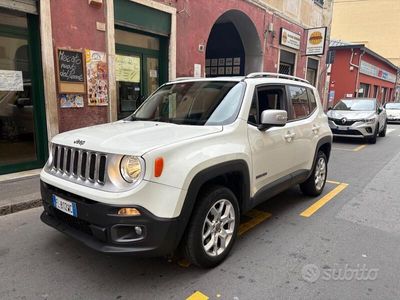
<point>97,78</point>
<point>11,81</point>
<point>127,68</point>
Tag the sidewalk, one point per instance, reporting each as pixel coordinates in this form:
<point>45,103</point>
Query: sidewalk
<point>18,194</point>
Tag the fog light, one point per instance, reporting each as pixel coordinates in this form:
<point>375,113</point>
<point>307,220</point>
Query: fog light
<point>127,211</point>
<point>138,230</point>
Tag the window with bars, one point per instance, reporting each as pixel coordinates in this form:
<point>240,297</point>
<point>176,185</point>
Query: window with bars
<point>319,2</point>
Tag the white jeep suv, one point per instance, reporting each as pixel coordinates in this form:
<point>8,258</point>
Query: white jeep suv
<point>182,169</point>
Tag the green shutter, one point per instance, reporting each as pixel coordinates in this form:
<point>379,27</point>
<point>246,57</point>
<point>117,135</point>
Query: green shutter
<point>137,16</point>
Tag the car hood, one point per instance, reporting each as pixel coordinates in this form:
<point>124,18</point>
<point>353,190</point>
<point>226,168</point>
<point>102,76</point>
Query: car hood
<point>393,112</point>
<point>131,138</point>
<point>350,115</point>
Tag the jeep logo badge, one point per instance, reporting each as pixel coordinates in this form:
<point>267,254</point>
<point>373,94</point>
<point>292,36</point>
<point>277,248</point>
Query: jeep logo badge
<point>79,142</point>
<point>344,121</point>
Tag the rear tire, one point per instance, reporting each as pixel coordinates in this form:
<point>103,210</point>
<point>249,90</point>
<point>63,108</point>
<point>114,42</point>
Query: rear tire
<point>383,132</point>
<point>315,184</point>
<point>213,227</point>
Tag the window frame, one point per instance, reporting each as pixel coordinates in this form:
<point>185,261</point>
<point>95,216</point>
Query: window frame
<point>290,104</point>
<point>320,3</point>
<point>285,102</point>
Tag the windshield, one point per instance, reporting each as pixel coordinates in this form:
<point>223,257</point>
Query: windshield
<point>392,106</point>
<point>193,103</point>
<point>356,105</point>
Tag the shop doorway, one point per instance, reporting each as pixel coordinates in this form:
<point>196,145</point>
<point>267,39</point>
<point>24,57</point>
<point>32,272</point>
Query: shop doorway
<point>147,54</point>
<point>23,143</point>
<point>233,47</point>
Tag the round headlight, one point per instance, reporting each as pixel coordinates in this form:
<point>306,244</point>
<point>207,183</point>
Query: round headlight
<point>131,169</point>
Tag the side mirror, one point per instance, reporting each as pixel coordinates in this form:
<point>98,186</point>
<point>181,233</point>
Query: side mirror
<point>329,108</point>
<point>272,118</point>
<point>380,109</point>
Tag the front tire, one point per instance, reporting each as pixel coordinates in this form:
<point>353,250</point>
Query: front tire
<point>383,132</point>
<point>372,140</point>
<point>213,227</point>
<point>315,184</point>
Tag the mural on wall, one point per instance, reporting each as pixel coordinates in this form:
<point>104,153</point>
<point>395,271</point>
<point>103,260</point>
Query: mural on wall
<point>97,78</point>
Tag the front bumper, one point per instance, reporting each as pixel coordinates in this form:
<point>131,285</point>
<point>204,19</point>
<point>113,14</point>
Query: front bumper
<point>393,119</point>
<point>356,130</point>
<point>98,226</point>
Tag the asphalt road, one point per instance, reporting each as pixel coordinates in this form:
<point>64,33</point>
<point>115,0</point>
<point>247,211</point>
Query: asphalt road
<point>346,246</point>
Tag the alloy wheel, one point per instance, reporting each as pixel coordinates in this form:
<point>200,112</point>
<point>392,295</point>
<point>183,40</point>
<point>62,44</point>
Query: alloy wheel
<point>218,227</point>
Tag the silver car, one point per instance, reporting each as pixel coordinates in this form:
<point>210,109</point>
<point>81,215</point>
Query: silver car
<point>359,118</point>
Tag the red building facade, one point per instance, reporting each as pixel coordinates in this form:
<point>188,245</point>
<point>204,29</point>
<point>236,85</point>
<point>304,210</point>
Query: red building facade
<point>80,53</point>
<point>357,71</point>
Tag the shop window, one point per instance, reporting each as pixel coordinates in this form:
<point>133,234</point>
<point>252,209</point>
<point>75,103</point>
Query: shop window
<point>376,91</point>
<point>319,2</point>
<point>384,94</point>
<point>287,62</point>
<point>363,91</point>
<point>137,68</point>
<point>312,71</point>
<point>299,102</point>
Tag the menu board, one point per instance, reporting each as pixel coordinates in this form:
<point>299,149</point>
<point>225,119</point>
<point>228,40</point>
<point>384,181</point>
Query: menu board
<point>70,69</point>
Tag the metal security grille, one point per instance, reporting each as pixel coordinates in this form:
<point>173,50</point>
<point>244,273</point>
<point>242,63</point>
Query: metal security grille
<point>285,69</point>
<point>85,165</point>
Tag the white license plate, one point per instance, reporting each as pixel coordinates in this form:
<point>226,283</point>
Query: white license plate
<point>65,206</point>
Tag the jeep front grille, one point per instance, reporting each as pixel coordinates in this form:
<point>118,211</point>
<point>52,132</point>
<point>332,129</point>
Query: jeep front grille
<point>79,164</point>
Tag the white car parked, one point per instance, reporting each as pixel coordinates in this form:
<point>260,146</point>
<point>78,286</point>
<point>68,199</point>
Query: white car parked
<point>393,112</point>
<point>182,169</point>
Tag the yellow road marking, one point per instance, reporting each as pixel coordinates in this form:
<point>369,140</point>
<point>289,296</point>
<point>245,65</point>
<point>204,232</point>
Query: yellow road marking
<point>359,148</point>
<point>184,263</point>
<point>325,199</point>
<point>197,296</point>
<point>333,182</point>
<point>257,217</point>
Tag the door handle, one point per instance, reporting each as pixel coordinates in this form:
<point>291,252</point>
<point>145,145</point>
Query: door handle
<point>289,136</point>
<point>316,128</point>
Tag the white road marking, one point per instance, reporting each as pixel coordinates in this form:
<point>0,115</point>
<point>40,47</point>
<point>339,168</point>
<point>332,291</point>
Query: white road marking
<point>389,130</point>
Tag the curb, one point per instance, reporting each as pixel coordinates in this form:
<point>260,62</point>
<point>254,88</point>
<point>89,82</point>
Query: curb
<point>16,207</point>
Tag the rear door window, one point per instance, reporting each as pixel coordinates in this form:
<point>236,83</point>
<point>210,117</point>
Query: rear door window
<point>299,102</point>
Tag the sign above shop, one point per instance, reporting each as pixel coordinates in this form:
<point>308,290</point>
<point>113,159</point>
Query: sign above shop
<point>316,38</point>
<point>374,71</point>
<point>290,39</point>
<point>70,69</point>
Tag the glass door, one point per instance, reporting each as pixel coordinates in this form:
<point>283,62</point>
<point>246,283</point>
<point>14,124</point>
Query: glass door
<point>22,121</point>
<point>138,75</point>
